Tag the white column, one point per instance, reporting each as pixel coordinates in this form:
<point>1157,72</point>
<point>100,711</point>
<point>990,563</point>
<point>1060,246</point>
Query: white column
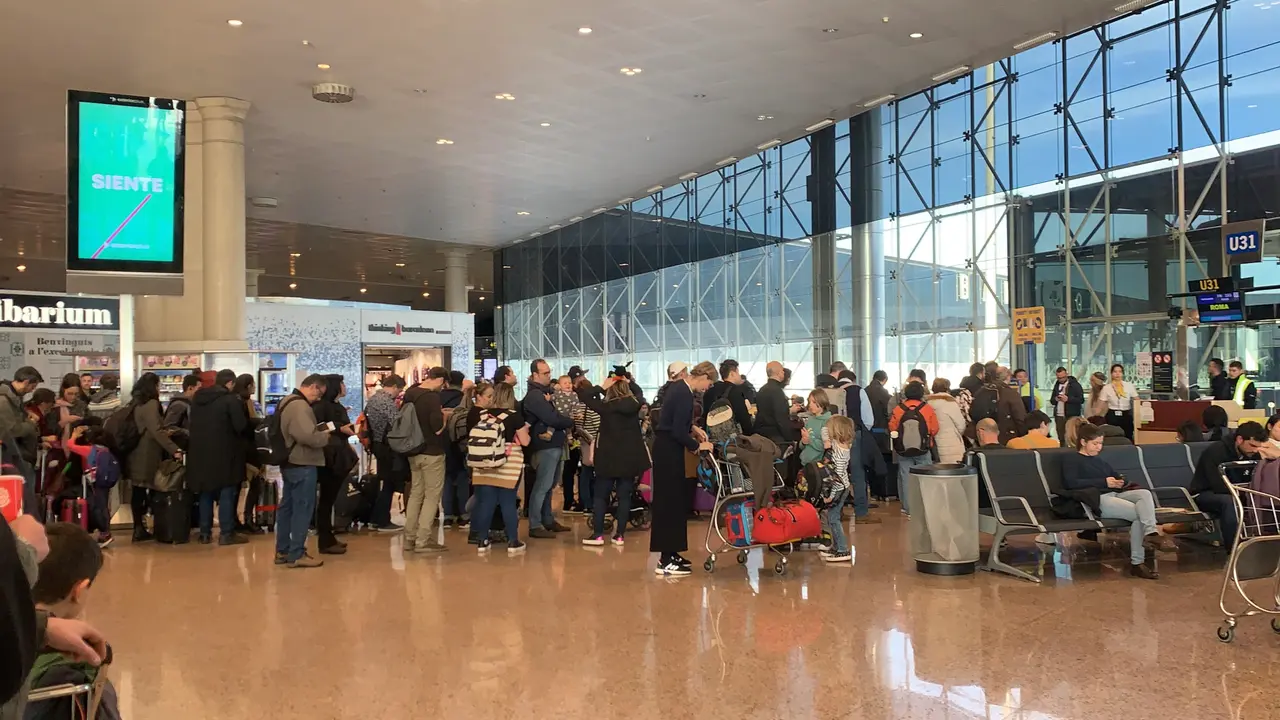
<point>224,251</point>
<point>455,280</point>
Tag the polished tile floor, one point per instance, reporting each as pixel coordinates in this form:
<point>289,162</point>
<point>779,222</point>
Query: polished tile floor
<point>570,632</point>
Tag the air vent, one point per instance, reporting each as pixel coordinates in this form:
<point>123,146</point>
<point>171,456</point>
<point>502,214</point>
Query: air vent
<point>333,93</point>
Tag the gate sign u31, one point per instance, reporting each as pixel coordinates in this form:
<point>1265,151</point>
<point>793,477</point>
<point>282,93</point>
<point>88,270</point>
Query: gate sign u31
<point>1028,325</point>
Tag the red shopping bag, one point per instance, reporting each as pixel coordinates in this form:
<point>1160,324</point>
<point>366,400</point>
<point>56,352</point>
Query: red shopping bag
<point>787,521</point>
<point>11,496</point>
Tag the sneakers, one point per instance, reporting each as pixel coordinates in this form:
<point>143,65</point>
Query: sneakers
<point>619,541</point>
<point>306,561</point>
<point>233,539</point>
<point>838,557</point>
<point>282,559</point>
<point>463,524</point>
<point>205,539</point>
<point>483,548</point>
<point>388,528</point>
<point>541,533</point>
<point>104,541</point>
<point>576,510</point>
<point>1142,571</point>
<point>596,541</point>
<point>672,568</point>
<point>141,535</point>
<point>557,527</point>
<point>516,549</point>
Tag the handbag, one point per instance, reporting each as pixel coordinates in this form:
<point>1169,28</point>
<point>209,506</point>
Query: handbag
<point>170,476</point>
<point>588,453</point>
<point>786,522</point>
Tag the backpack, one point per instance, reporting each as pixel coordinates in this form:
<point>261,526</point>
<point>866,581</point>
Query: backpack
<point>486,448</point>
<point>456,429</point>
<point>405,434</point>
<point>104,466</point>
<point>120,432</point>
<point>720,423</point>
<point>269,438</point>
<point>821,482</point>
<point>837,400</point>
<point>913,438</point>
<point>985,404</point>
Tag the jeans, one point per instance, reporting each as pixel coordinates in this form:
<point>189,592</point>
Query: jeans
<point>904,473</point>
<point>858,477</point>
<point>546,463</point>
<point>387,469</point>
<point>226,498</point>
<point>99,506</point>
<point>1222,507</point>
<point>835,524</point>
<point>624,486</point>
<point>487,498</point>
<point>424,499</point>
<point>1137,506</point>
<point>586,486</point>
<point>293,515</point>
<point>457,485</point>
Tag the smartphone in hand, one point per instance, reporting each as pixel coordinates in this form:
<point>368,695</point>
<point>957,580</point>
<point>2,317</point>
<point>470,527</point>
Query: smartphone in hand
<point>325,427</point>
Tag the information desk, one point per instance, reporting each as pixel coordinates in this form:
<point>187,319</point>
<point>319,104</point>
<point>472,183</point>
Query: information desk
<point>1160,424</point>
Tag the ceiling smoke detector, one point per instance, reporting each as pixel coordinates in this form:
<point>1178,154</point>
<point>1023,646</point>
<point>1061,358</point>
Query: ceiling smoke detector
<point>335,93</point>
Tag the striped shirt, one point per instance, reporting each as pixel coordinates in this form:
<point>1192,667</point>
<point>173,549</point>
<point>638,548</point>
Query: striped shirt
<point>839,461</point>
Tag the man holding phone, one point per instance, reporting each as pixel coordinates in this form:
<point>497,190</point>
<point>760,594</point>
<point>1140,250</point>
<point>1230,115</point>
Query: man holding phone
<point>427,464</point>
<point>306,454</point>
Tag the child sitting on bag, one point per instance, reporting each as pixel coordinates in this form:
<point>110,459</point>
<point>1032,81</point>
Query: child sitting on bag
<point>837,438</point>
<point>62,590</point>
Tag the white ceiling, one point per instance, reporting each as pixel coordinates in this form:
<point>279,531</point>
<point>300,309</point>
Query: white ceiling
<point>429,69</point>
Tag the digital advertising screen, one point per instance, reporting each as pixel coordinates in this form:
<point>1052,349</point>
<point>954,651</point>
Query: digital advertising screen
<point>125,172</point>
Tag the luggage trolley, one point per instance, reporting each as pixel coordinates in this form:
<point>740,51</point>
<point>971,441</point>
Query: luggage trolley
<point>86,697</point>
<point>734,486</point>
<point>1254,556</point>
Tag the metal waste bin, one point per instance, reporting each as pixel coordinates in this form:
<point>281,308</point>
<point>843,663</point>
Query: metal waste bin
<point>944,518</point>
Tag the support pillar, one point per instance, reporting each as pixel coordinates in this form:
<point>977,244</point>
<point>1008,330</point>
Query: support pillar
<point>822,200</point>
<point>251,282</point>
<point>455,280</point>
<point>224,221</point>
<point>868,247</point>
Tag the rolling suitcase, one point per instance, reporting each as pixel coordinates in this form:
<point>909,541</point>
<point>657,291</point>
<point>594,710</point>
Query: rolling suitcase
<point>172,512</point>
<point>264,508</point>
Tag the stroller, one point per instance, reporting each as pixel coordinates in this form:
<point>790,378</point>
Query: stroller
<point>640,514</point>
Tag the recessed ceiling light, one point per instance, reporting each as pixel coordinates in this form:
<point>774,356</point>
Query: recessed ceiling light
<point>626,200</point>
<point>555,227</point>
<point>399,264</point>
<point>522,212</point>
<point>504,96</point>
<point>427,294</point>
<point>767,145</point>
<point>575,218</point>
<point>420,91</point>
<point>364,290</point>
<point>506,267</point>
<point>764,117</point>
<point>584,31</point>
<point>295,254</point>
<point>727,161</point>
<point>235,23</point>
<point>916,36</point>
<point>306,42</point>
<point>689,176</point>
<point>819,125</point>
<point>884,19</point>
<point>879,101</point>
<point>293,286</point>
<point>628,71</point>
<point>653,189</point>
<point>545,124</point>
<point>323,66</point>
<point>22,268</point>
<point>1136,4</point>
<point>598,210</point>
<point>830,30</point>
<point>482,297</point>
<point>442,141</point>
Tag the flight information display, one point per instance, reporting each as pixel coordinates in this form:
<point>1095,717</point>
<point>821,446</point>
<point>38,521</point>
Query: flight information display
<point>1220,307</point>
<point>125,183</point>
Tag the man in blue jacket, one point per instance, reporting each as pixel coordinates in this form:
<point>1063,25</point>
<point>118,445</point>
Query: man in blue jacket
<point>542,416</point>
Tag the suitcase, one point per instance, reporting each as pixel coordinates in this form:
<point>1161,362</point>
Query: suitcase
<point>786,522</point>
<point>172,512</point>
<point>703,501</point>
<point>354,501</point>
<point>76,512</point>
<point>268,501</point>
<point>738,519</point>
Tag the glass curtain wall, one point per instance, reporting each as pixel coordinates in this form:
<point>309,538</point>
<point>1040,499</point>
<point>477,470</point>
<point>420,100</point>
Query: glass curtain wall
<point>1089,175</point>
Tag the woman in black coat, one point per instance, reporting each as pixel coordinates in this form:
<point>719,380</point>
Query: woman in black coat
<point>339,460</point>
<point>620,453</point>
<point>216,456</point>
<point>674,435</point>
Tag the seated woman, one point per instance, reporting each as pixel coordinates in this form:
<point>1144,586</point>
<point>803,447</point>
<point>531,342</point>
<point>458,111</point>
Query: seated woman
<point>1214,418</point>
<point>1189,431</point>
<point>1091,480</point>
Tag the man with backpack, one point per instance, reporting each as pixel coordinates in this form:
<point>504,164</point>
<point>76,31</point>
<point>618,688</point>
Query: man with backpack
<point>457,478</point>
<point>998,401</point>
<point>913,427</point>
<point>427,461</point>
<point>303,445</point>
<point>381,411</point>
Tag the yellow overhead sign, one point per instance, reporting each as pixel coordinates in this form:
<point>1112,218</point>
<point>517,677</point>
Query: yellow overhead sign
<point>1028,325</point>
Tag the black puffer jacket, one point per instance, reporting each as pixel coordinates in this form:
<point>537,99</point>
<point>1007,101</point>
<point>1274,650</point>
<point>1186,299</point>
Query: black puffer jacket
<point>216,447</point>
<point>339,458</point>
<point>620,450</point>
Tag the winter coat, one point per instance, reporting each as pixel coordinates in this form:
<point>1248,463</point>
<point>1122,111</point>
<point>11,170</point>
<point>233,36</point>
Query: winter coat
<point>103,404</point>
<point>178,414</point>
<point>951,425</point>
<point>620,449</point>
<point>153,446</point>
<point>773,414</point>
<point>12,416</point>
<point>541,416</point>
<point>339,457</point>
<point>878,394</point>
<point>219,424</point>
<point>1010,410</point>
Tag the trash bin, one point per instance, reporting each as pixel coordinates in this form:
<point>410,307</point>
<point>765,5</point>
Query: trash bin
<point>944,518</point>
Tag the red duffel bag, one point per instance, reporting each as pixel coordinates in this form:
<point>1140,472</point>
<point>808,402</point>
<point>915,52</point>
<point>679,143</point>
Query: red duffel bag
<point>787,521</point>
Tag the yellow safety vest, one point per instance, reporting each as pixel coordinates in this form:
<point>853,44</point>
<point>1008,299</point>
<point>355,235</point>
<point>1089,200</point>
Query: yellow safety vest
<point>1242,384</point>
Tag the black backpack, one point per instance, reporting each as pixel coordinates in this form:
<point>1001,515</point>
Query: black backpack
<point>269,438</point>
<point>986,404</point>
<point>913,438</point>
<point>120,432</point>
